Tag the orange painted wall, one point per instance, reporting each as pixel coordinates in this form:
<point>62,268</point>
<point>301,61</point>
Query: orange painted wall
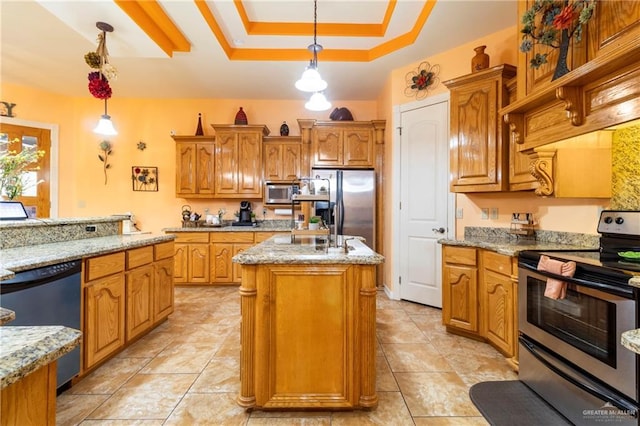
<point>83,192</point>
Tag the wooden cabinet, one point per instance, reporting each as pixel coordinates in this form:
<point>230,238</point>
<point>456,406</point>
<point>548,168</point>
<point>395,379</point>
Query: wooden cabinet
<point>497,301</point>
<point>191,261</point>
<point>460,289</point>
<point>31,400</point>
<point>238,161</point>
<point>478,147</point>
<point>225,245</point>
<point>480,297</point>
<point>105,305</point>
<point>163,283</point>
<point>282,158</point>
<point>194,166</point>
<point>139,287</point>
<point>341,145</point>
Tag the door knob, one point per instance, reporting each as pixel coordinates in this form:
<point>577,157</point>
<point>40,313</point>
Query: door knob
<point>439,230</point>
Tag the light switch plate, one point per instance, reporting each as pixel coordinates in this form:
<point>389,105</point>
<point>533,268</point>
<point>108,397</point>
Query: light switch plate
<point>493,214</point>
<point>484,214</point>
<point>459,213</point>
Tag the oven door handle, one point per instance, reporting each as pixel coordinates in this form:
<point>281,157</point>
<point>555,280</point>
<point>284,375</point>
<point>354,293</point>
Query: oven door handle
<point>598,392</point>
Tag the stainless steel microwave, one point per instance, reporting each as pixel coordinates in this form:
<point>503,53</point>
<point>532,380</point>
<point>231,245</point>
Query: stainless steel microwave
<point>279,192</point>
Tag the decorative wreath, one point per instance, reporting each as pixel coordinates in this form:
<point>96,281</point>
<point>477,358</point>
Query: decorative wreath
<point>420,81</point>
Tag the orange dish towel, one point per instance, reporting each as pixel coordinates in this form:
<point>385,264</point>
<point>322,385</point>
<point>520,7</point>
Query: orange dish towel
<point>556,289</point>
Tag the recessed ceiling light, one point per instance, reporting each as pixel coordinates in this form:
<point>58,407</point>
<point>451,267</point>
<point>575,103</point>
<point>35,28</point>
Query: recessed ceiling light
<point>238,42</point>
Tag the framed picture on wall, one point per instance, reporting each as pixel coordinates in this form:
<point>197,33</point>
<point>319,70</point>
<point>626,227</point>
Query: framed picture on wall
<point>144,178</point>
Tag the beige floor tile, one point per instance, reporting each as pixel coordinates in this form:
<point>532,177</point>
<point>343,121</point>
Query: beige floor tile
<point>289,421</point>
<point>406,357</point>
<point>181,358</point>
<point>208,409</point>
<point>452,421</point>
<point>436,394</point>
<point>230,347</point>
<point>122,423</point>
<point>150,345</point>
<point>220,375</point>
<point>72,409</point>
<point>109,377</point>
<point>391,411</point>
<point>290,414</point>
<point>146,396</point>
<point>385,382</point>
<point>473,363</point>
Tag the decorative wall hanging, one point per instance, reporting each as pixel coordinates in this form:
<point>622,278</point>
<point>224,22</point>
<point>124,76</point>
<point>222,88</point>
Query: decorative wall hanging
<point>553,23</point>
<point>142,146</point>
<point>144,178</point>
<point>105,147</point>
<point>6,109</point>
<point>99,80</point>
<point>420,81</point>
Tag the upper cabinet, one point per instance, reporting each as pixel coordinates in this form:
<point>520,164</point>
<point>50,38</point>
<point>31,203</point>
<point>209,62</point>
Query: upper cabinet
<point>348,144</point>
<point>601,89</point>
<point>478,137</point>
<point>194,166</point>
<point>282,158</point>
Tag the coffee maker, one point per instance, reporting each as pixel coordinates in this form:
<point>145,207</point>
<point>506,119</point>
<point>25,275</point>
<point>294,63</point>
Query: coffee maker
<point>245,213</point>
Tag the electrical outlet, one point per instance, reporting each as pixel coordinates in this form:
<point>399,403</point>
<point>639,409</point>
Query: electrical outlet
<point>459,213</point>
<point>91,228</point>
<point>493,214</point>
<point>264,211</point>
<point>484,214</point>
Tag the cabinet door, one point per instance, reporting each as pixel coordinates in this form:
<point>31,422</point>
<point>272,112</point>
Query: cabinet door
<point>460,297</point>
<point>163,289</point>
<point>181,263</point>
<point>327,147</point>
<point>237,268</point>
<point>221,264</point>
<point>226,178</point>
<point>205,168</point>
<point>498,311</point>
<point>273,161</point>
<point>198,265</point>
<point>104,331</point>
<point>185,169</point>
<point>139,300</point>
<point>291,161</point>
<point>358,148</point>
<point>249,160</point>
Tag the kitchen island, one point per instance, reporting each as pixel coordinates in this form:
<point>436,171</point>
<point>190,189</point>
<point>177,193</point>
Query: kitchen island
<point>308,325</point>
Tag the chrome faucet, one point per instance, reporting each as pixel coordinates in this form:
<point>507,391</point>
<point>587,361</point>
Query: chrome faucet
<point>345,246</point>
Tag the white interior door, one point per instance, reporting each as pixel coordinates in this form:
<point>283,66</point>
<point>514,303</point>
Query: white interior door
<point>423,201</point>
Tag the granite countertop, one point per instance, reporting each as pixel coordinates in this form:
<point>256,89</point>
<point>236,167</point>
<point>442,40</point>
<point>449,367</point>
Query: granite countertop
<point>25,349</point>
<point>20,258</point>
<point>306,250</point>
<point>6,315</point>
<point>631,340</point>
<point>266,226</point>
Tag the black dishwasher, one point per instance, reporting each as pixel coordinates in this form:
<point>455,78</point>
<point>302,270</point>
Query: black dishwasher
<point>47,296</point>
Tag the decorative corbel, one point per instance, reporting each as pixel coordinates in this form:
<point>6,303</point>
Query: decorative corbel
<point>516,124</point>
<point>541,168</point>
<point>572,98</point>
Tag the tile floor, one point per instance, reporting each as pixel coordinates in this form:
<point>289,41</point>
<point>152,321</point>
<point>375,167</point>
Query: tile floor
<point>185,372</point>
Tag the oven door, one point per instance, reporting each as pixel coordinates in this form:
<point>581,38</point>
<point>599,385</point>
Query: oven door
<point>583,328</point>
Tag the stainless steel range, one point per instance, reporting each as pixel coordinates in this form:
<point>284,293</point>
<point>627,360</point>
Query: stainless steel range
<point>570,350</point>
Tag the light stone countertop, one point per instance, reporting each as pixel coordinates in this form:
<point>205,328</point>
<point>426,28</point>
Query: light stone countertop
<point>22,258</point>
<point>266,226</point>
<point>631,340</point>
<point>511,246</point>
<point>25,349</point>
<point>280,250</point>
<point>6,315</point>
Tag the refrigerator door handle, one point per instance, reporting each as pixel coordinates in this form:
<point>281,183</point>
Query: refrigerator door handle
<point>340,200</point>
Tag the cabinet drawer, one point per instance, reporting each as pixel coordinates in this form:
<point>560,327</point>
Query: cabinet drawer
<point>459,255</point>
<point>232,237</point>
<point>163,251</point>
<point>499,263</point>
<point>101,266</point>
<point>192,237</point>
<point>262,236</point>
<point>139,256</point>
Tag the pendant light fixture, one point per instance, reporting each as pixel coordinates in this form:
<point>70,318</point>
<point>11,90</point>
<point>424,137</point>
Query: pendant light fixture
<point>311,81</point>
<point>99,81</point>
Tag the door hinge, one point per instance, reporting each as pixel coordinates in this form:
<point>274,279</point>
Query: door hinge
<point>399,280</point>
<point>399,130</point>
<point>400,205</point>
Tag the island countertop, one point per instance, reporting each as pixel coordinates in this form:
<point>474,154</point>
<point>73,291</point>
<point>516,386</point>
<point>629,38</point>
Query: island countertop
<point>280,249</point>
<point>25,349</point>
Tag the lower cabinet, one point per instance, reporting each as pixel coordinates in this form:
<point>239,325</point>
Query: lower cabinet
<point>206,257</point>
<point>125,295</point>
<point>31,400</point>
<point>479,290</point>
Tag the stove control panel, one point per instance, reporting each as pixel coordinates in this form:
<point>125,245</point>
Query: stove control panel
<point>622,222</point>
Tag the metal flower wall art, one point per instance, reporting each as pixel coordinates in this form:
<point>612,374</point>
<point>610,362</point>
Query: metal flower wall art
<point>144,178</point>
<point>105,147</point>
<point>420,81</point>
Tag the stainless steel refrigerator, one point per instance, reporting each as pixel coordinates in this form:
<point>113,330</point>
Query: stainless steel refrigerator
<point>354,193</point>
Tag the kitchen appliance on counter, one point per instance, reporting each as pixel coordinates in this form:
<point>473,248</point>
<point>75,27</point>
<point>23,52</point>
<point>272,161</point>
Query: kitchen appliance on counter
<point>244,219</point>
<point>570,351</point>
<point>355,199</point>
<point>50,295</point>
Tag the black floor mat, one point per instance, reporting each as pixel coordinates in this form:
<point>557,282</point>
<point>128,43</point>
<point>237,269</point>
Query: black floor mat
<point>511,403</point>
